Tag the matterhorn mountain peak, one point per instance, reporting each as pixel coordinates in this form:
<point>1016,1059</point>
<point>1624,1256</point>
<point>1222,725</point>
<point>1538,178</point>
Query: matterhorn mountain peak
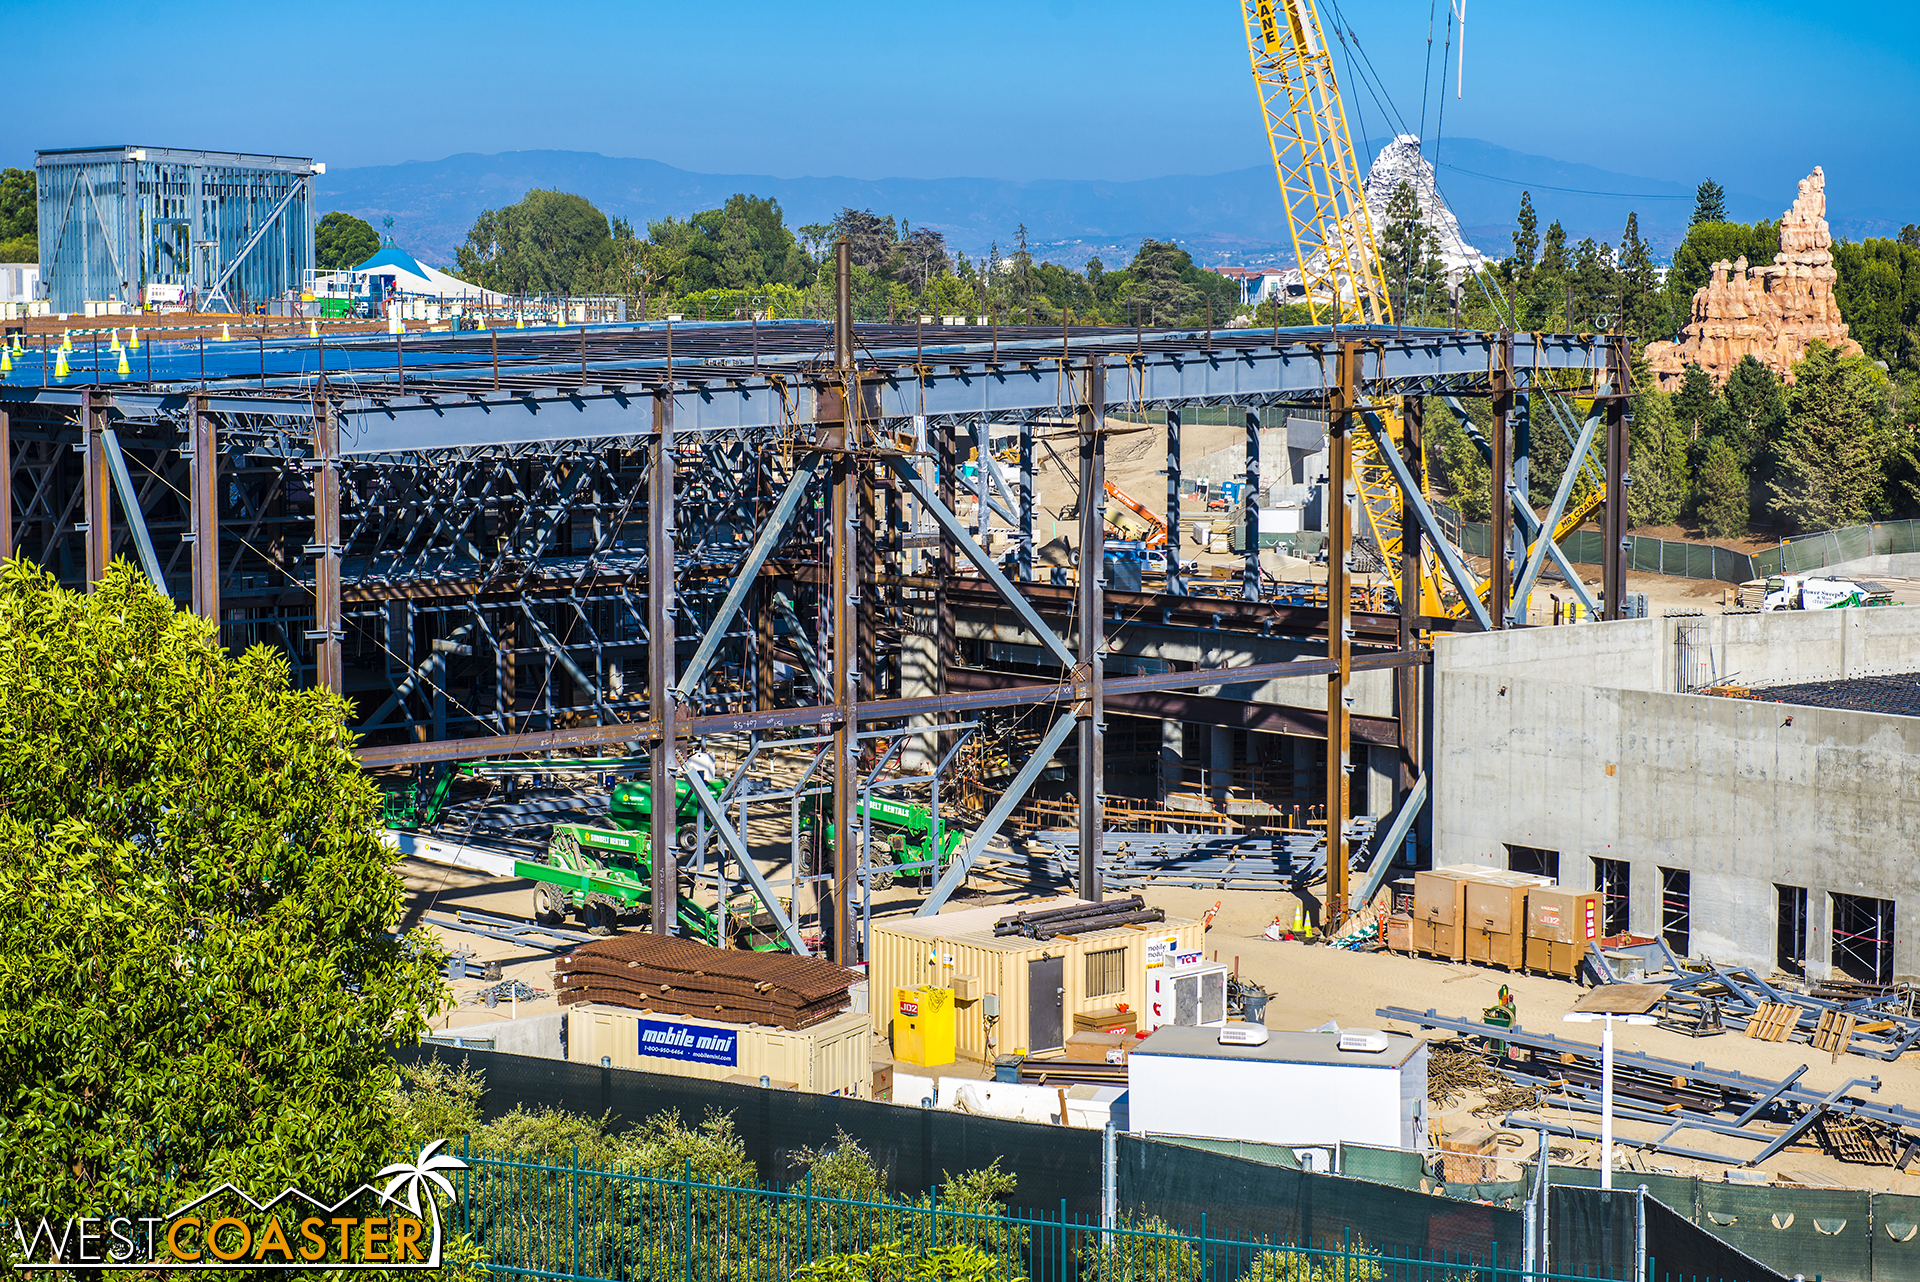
<point>1403,161</point>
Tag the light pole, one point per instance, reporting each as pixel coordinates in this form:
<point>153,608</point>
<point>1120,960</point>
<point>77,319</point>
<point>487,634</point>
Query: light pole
<point>1606,1019</point>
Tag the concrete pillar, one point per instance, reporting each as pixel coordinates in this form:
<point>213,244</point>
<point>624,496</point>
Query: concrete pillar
<point>1173,761</point>
<point>1219,764</point>
<point>1383,780</point>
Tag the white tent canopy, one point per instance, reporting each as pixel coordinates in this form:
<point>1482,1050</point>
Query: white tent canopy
<point>406,274</point>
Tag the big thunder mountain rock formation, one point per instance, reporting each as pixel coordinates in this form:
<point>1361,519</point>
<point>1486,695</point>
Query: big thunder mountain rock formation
<point>1770,313</point>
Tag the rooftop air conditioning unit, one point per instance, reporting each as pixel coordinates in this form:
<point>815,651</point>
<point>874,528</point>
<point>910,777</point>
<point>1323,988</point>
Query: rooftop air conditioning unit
<point>1369,1040</point>
<point>1244,1035</point>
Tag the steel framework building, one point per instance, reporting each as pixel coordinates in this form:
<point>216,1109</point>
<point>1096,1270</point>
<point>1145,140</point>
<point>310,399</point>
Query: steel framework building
<point>232,229</point>
<point>514,542</point>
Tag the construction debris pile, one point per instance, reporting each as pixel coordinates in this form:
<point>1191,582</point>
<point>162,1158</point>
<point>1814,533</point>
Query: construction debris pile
<point>1079,919</point>
<point>1774,1114</point>
<point>680,977</point>
<point>1455,1071</point>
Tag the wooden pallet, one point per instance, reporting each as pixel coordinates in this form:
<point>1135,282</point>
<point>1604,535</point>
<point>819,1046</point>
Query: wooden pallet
<point>1852,1140</point>
<point>1835,1032</point>
<point>1773,1022</point>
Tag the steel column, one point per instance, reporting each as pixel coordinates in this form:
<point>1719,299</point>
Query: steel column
<point>6,484</point>
<point>98,490</point>
<point>203,508</point>
<point>1175,585</point>
<point>1339,626</point>
<point>328,622</point>
<point>1406,681</point>
<point>842,612</point>
<point>1250,573</point>
<point>1499,595</point>
<point>1613,551</point>
<point>660,670</point>
<point>1088,705</point>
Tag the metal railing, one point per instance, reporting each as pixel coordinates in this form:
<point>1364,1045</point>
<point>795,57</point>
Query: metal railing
<point>574,1222</point>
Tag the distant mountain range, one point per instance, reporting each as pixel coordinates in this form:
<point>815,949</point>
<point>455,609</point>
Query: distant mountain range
<point>1230,218</point>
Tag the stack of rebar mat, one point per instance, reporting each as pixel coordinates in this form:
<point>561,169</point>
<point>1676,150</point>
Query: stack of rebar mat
<point>1078,919</point>
<point>680,977</point>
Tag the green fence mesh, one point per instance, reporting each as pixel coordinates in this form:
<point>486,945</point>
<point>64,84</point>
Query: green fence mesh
<point>1382,1165</point>
<point>1896,1238</point>
<point>1807,1231</point>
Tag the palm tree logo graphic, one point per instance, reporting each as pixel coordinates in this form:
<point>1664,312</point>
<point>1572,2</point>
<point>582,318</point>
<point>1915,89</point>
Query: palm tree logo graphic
<point>424,1171</point>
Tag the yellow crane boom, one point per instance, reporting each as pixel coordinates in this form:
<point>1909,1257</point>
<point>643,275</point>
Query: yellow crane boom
<point>1320,180</point>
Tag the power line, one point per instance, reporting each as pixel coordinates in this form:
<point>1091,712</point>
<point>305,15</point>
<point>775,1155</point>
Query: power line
<point>1575,191</point>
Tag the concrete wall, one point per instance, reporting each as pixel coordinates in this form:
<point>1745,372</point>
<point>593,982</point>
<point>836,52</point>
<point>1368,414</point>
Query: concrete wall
<point>1746,649</point>
<point>1534,746</point>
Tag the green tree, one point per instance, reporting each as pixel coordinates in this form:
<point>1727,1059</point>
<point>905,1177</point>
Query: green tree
<point>1697,405</point>
<point>19,217</point>
<point>198,981</point>
<point>742,244</point>
<point>1518,269</point>
<point>552,242</point>
<point>1156,287</point>
<point>1645,313</point>
<point>340,241</point>
<point>1878,291</point>
<point>1596,287</point>
<point>1710,243</point>
<point>1661,477</point>
<point>1409,257</point>
<point>1709,204</point>
<point>1829,460</point>
<point>1721,492</point>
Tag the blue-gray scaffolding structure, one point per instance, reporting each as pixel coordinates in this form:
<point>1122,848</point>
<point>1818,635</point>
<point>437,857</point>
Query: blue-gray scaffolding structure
<point>231,230</point>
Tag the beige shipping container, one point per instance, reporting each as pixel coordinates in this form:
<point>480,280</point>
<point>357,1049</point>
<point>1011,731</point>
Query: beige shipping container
<point>833,1057</point>
<point>1034,986</point>
<point>1440,911</point>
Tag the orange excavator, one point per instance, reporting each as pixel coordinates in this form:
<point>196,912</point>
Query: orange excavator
<point>1128,518</point>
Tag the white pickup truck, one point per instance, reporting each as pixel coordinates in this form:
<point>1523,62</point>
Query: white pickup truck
<point>1805,592</point>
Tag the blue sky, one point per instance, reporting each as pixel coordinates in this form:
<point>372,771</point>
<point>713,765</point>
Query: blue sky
<point>1752,92</point>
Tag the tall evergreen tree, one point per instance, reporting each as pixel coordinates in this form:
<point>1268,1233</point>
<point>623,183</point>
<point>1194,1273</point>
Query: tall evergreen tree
<point>1409,256</point>
<point>1643,308</point>
<point>1828,462</point>
<point>1697,405</point>
<point>1722,491</point>
<point>1526,247</point>
<point>1709,204</point>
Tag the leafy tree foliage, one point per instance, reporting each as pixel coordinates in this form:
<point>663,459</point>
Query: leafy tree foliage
<point>1410,258</point>
<point>1722,492</point>
<point>197,982</point>
<point>1829,460</point>
<point>1662,480</point>
<point>340,241</point>
<point>1518,270</point>
<point>1709,204</point>
<point>19,216</point>
<point>550,243</point>
<point>1879,295</point>
<point>1710,243</point>
<point>744,243</point>
<point>1698,406</point>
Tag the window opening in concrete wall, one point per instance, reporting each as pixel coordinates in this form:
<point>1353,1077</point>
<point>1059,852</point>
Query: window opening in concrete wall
<point>1613,878</point>
<point>1676,909</point>
<point>1694,667</point>
<point>1106,972</point>
<point>1790,948</point>
<point>1533,861</point>
<point>1863,938</point>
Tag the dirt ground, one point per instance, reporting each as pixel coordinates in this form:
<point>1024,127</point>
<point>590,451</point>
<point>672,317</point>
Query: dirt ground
<point>1310,984</point>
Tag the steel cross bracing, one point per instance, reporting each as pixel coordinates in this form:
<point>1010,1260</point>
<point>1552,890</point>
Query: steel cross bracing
<point>491,528</point>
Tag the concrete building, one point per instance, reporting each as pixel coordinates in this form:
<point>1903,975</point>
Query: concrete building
<point>1750,832</point>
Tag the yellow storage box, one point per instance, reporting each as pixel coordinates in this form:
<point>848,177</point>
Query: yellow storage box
<point>923,1026</point>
